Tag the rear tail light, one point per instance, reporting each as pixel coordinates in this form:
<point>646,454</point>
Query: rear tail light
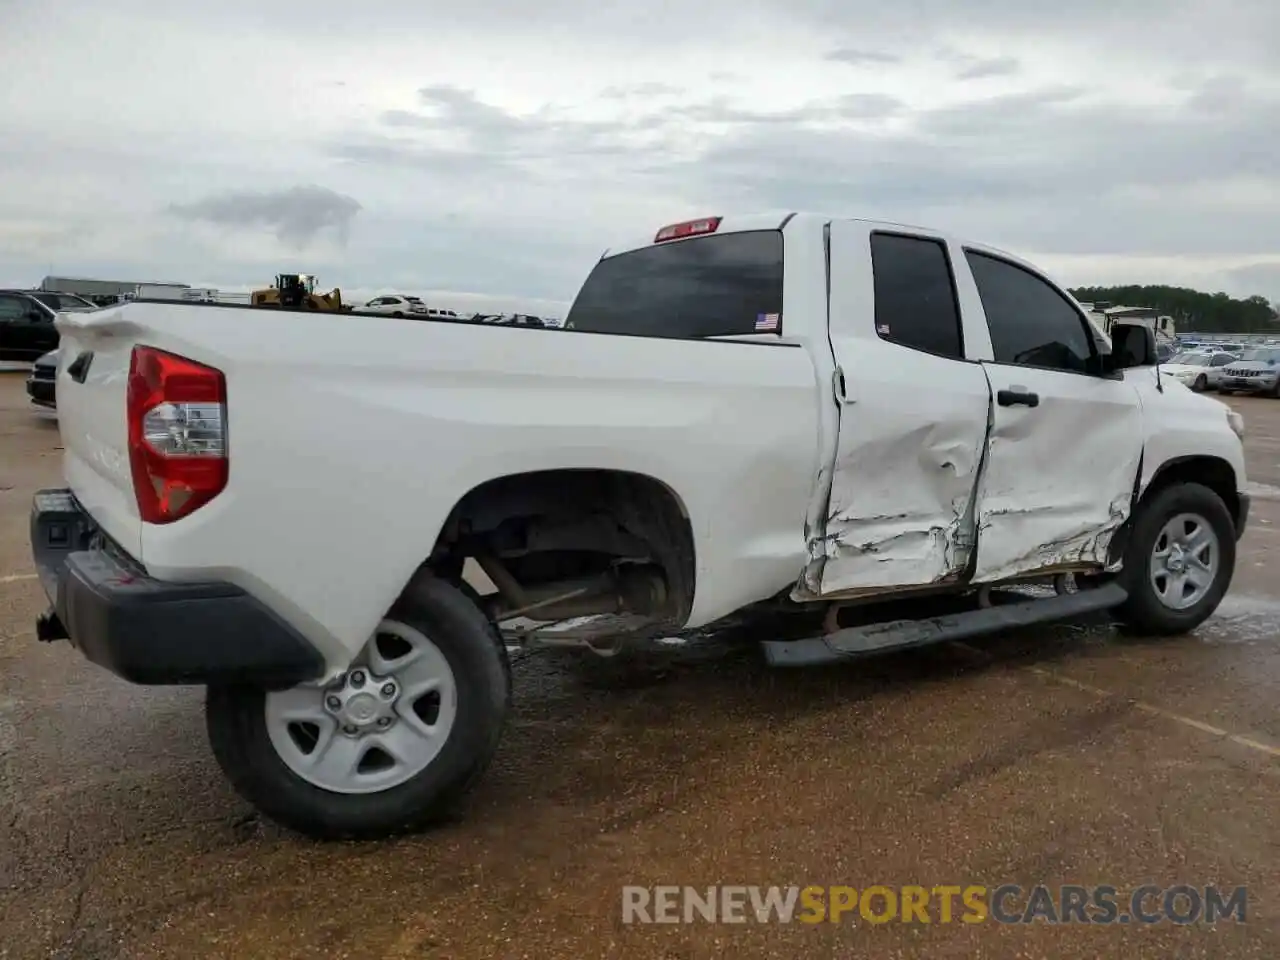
<point>690,228</point>
<point>177,411</point>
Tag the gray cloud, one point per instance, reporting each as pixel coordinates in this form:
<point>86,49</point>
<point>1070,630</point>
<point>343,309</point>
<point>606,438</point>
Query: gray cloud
<point>1049,170</point>
<point>296,215</point>
<point>1161,149</point>
<point>1255,278</point>
<point>994,67</point>
<point>462,135</point>
<point>641,91</point>
<point>859,58</point>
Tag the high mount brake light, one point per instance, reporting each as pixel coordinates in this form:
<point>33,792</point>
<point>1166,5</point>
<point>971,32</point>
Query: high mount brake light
<point>177,411</point>
<point>689,228</point>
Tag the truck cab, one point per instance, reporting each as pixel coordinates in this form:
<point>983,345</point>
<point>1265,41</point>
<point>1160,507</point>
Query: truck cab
<point>969,425</point>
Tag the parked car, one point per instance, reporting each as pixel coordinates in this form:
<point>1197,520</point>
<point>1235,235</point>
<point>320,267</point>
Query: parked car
<point>1199,370</point>
<point>705,442</point>
<point>58,301</point>
<point>1255,372</point>
<point>43,379</point>
<point>26,321</point>
<point>395,306</point>
<point>26,327</point>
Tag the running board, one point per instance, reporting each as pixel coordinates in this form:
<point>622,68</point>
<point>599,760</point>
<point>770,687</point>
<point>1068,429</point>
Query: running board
<point>904,634</point>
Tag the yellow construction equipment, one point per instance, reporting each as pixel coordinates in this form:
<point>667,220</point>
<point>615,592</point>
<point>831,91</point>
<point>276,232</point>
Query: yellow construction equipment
<point>297,291</point>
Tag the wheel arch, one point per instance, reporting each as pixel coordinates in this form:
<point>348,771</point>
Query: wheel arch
<point>641,504</point>
<point>1208,470</point>
<point>1205,469</point>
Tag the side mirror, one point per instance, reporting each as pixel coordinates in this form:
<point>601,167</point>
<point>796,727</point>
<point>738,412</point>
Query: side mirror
<point>1132,345</point>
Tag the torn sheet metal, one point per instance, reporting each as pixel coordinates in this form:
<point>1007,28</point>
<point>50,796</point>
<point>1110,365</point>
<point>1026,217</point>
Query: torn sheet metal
<point>900,510</point>
<point>1059,478</point>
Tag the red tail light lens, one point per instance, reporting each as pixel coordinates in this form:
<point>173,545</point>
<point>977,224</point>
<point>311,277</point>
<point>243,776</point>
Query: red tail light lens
<point>690,228</point>
<point>177,411</point>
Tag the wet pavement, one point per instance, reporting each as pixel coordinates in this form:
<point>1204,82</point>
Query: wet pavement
<point>1061,755</point>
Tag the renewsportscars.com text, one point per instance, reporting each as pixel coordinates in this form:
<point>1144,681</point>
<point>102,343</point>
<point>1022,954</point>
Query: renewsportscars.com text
<point>1007,903</point>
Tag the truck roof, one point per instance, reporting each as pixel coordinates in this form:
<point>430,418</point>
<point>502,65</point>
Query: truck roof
<point>777,219</point>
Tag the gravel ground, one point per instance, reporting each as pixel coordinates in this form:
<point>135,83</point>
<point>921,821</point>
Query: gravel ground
<point>1060,755</point>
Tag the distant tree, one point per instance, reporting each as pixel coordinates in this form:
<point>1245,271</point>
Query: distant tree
<point>1192,309</point>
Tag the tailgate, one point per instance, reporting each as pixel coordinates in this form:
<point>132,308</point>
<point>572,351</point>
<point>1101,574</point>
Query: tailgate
<point>93,374</point>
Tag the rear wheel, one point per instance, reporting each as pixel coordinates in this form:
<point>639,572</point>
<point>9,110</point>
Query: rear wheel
<point>1179,560</point>
<point>388,748</point>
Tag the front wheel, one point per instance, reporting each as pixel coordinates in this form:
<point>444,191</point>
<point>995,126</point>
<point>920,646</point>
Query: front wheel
<point>1201,384</point>
<point>388,748</point>
<point>1179,560</point>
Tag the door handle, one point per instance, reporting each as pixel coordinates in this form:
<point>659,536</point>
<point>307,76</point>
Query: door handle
<point>1017,396</point>
<point>838,385</point>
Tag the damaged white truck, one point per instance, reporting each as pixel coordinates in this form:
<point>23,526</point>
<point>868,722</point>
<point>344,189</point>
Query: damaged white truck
<point>825,416</point>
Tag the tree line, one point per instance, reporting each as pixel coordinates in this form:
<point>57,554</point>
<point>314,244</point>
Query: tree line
<point>1191,309</point>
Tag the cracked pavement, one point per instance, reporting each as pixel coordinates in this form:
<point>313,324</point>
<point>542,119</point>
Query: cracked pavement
<point>1056,755</point>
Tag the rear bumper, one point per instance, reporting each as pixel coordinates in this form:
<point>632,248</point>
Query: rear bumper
<point>1247,384</point>
<point>150,631</point>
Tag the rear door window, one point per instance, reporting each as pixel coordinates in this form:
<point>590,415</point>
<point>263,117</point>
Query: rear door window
<point>722,285</point>
<point>915,295</point>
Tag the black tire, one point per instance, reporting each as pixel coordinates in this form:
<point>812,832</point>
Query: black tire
<point>1143,611</point>
<point>1201,384</point>
<point>398,315</point>
<point>236,722</point>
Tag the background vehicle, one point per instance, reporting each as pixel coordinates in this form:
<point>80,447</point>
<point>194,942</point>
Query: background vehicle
<point>1256,371</point>
<point>297,291</point>
<point>58,301</point>
<point>1200,370</point>
<point>906,432</point>
<point>41,382</point>
<point>26,323</point>
<point>395,305</point>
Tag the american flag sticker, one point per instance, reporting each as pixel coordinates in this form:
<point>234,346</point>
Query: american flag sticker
<point>766,322</point>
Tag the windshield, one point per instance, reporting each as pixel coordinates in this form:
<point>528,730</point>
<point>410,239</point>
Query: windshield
<point>721,285</point>
<point>1264,356</point>
<point>63,301</point>
<point>1193,359</point>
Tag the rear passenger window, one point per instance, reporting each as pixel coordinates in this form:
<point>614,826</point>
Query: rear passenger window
<point>719,285</point>
<point>915,295</point>
<point>1031,324</point>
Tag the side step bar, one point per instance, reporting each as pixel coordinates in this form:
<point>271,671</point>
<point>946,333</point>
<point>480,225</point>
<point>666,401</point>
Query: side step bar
<point>904,634</point>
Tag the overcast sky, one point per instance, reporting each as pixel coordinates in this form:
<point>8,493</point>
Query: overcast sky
<point>497,147</point>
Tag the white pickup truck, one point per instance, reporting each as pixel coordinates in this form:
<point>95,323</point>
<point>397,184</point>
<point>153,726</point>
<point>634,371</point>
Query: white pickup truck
<point>759,413</point>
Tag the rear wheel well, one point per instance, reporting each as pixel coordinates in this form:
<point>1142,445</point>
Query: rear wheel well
<point>543,534</point>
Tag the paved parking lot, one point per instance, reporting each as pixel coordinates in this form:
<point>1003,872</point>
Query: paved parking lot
<point>1061,755</point>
